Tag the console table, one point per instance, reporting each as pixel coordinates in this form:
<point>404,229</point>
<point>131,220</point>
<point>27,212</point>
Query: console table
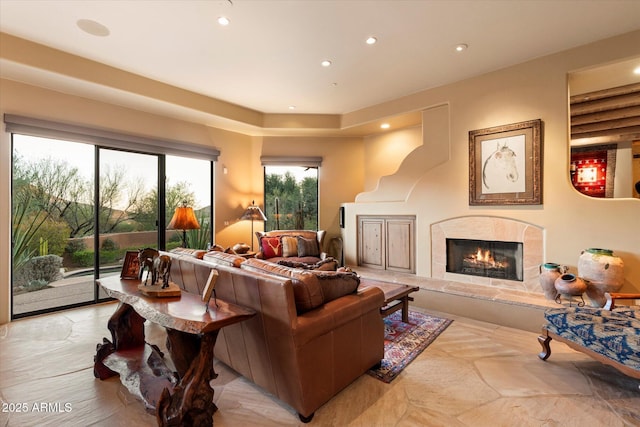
<point>177,398</point>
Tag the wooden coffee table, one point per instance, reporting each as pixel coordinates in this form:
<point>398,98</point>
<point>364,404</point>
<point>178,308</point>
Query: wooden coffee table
<point>396,297</point>
<point>192,328</point>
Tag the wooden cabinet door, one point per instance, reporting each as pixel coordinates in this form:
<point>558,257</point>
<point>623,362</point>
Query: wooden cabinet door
<point>371,244</point>
<point>399,247</point>
<point>387,242</point>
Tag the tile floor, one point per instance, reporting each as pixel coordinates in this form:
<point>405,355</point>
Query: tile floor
<point>474,374</point>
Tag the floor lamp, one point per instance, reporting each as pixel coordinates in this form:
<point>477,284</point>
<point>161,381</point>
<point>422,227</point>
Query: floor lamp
<point>253,213</point>
<point>184,219</point>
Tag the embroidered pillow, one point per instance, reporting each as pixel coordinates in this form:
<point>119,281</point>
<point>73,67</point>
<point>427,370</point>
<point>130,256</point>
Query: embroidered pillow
<point>289,246</point>
<point>271,247</point>
<point>307,247</point>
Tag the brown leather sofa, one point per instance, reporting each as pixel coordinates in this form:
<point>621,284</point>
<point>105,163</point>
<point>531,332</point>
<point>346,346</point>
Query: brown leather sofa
<point>303,357</point>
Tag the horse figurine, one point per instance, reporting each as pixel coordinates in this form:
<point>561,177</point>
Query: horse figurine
<point>161,268</point>
<point>146,257</point>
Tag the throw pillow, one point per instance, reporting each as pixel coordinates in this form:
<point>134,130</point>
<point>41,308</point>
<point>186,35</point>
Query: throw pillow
<point>289,246</point>
<point>196,253</point>
<point>327,264</point>
<point>335,285</point>
<point>222,258</point>
<point>271,247</point>
<point>307,247</point>
<point>306,290</point>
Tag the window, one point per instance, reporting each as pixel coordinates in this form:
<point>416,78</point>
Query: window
<point>77,207</point>
<point>291,197</point>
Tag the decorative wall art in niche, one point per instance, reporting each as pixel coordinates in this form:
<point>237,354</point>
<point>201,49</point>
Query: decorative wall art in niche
<point>593,169</point>
<point>505,164</point>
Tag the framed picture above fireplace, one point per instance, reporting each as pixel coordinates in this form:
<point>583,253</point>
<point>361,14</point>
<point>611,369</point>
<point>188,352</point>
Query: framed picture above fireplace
<point>505,164</point>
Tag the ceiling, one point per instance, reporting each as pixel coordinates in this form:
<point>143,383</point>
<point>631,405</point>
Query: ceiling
<point>268,58</point>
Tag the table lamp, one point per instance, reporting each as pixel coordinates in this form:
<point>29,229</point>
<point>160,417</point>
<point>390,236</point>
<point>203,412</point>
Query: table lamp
<point>184,219</point>
<point>253,213</point>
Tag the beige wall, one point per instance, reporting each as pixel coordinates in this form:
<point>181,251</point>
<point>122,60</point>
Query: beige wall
<point>341,176</point>
<point>537,89</point>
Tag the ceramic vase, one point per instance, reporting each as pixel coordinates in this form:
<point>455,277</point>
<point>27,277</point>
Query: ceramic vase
<point>600,266</point>
<point>570,285</point>
<point>549,272</point>
<point>603,271</point>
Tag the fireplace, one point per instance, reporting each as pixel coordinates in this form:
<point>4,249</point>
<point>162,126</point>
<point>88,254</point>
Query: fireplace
<point>528,256</point>
<point>485,258</point>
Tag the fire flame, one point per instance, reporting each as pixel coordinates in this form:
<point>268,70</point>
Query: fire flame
<point>484,256</point>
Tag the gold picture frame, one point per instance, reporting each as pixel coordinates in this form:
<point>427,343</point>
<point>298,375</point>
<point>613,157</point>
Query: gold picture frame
<point>505,164</point>
<point>130,266</point>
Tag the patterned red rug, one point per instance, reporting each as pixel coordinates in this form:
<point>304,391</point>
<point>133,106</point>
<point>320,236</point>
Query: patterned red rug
<point>403,342</point>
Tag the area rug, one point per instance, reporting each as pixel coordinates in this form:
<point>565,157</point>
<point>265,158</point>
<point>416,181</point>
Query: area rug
<point>403,342</point>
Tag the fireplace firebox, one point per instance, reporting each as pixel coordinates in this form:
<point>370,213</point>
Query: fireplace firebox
<point>485,258</point>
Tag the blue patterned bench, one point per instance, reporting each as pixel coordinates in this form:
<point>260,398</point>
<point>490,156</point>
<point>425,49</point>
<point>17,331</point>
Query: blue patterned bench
<point>609,336</point>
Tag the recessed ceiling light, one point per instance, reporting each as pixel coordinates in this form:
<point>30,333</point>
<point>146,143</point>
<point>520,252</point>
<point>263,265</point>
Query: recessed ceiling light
<point>461,47</point>
<point>224,21</point>
<point>636,71</point>
<point>326,63</point>
<point>292,107</point>
<point>385,126</point>
<point>92,27</point>
<point>372,40</point>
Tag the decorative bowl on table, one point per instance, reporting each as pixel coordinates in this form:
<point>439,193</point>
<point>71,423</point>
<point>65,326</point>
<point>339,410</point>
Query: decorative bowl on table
<point>241,248</point>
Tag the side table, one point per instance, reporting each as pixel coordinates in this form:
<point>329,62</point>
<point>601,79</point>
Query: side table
<point>192,329</point>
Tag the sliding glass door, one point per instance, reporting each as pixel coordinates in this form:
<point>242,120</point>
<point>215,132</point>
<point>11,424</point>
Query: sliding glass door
<point>52,224</point>
<point>127,215</point>
<point>69,228</point>
<point>189,181</point>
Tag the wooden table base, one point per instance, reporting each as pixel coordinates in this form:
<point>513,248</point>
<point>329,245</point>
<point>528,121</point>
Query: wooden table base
<point>177,399</point>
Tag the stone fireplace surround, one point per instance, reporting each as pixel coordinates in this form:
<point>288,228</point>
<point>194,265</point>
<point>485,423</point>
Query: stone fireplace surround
<point>489,228</point>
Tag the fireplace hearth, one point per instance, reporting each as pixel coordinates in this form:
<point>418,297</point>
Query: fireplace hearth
<point>485,258</point>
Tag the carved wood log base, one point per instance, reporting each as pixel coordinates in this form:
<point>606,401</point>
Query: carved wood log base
<point>142,369</point>
<point>102,351</point>
<point>191,403</point>
<point>127,331</point>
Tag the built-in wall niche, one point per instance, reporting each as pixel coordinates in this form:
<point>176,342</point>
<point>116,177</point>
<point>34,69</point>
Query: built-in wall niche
<point>605,112</point>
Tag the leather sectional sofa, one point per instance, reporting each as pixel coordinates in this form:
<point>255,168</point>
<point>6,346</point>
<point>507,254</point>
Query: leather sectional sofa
<point>313,334</point>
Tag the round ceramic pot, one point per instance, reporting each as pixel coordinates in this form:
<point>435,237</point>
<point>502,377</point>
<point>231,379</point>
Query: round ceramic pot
<point>569,284</point>
<point>549,272</point>
<point>601,267</point>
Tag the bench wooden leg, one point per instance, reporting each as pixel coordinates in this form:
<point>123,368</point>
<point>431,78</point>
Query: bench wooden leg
<point>546,348</point>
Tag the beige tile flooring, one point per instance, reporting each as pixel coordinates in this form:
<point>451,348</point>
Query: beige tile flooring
<point>474,374</point>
